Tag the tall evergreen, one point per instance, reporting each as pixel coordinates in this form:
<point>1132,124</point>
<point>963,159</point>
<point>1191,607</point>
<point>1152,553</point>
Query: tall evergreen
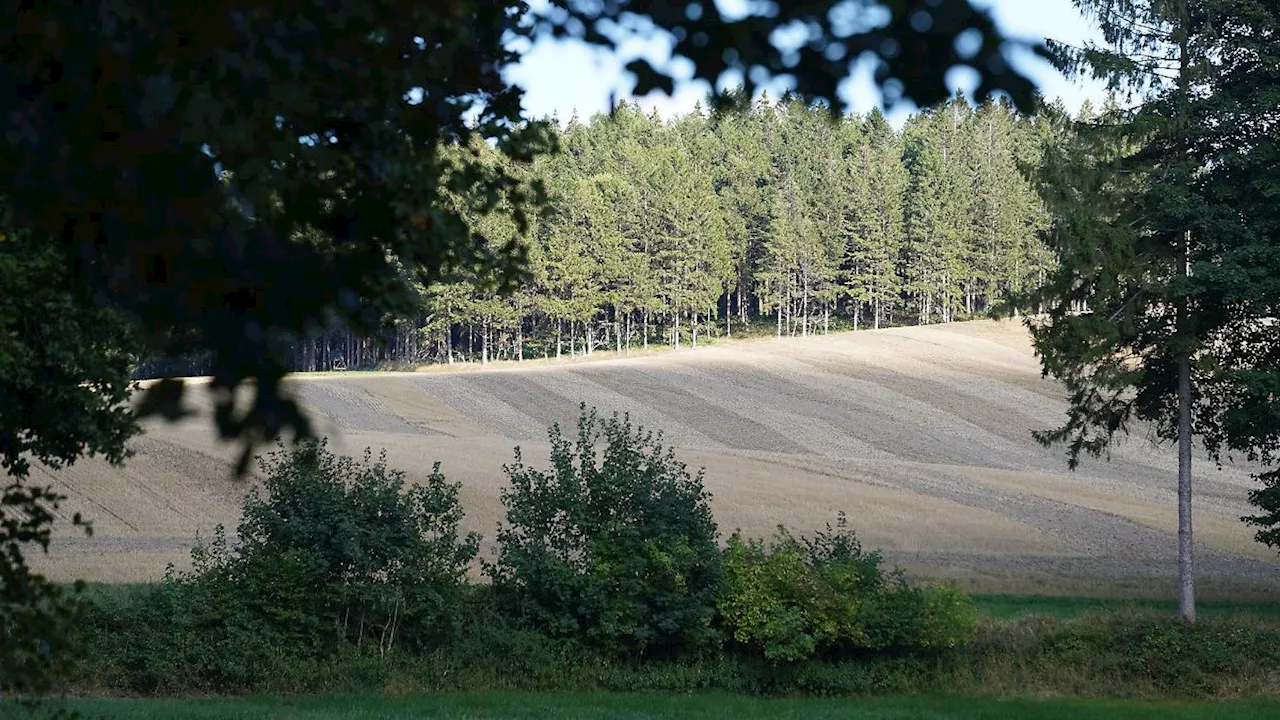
<point>875,182</point>
<point>775,212</point>
<point>1146,216</point>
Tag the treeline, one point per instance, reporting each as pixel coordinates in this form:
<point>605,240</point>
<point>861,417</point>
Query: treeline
<point>669,231</point>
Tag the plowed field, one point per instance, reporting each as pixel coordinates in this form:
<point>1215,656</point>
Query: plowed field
<point>922,435</point>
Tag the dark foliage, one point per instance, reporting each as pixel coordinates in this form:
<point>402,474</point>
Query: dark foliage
<point>615,546</point>
<point>237,175</point>
<point>337,558</point>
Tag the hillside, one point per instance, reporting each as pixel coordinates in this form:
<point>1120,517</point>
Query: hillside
<point>920,434</point>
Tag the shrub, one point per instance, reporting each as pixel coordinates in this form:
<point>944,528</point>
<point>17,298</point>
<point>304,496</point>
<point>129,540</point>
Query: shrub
<point>374,559</point>
<point>617,550</point>
<point>332,555</point>
<point>796,599</point>
<point>950,618</point>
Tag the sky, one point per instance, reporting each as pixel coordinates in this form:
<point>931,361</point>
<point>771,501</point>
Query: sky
<point>561,77</point>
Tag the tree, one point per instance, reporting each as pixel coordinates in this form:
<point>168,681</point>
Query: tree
<point>1237,409</point>
<point>64,377</point>
<point>183,179</point>
<point>1008,217</point>
<point>938,207</point>
<point>230,178</point>
<point>876,181</point>
<point>1128,330</point>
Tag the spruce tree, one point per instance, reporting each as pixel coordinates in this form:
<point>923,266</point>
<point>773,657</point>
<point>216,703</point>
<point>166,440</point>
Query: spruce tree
<point>1128,330</point>
<point>875,181</point>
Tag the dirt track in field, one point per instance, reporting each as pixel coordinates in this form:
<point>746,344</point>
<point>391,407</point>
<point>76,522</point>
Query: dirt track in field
<point>922,435</point>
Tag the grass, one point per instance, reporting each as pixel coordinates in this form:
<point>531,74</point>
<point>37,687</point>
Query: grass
<point>1012,607</point>
<point>991,605</point>
<point>655,705</point>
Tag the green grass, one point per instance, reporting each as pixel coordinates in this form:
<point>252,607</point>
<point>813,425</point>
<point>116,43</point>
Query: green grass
<point>1012,607</point>
<point>637,706</point>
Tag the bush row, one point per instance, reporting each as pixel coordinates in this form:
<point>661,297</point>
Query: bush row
<point>608,574</point>
<point>1113,655</point>
<point>610,552</point>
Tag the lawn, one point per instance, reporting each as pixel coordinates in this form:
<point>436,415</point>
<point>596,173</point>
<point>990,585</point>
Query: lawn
<point>1012,607</point>
<point>657,705</point>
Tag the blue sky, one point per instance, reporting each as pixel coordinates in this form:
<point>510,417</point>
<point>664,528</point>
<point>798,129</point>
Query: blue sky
<point>560,77</point>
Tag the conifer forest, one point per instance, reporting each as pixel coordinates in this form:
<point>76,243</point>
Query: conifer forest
<point>668,231</point>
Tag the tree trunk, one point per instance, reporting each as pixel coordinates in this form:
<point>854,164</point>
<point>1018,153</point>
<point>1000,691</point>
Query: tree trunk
<point>675,330</point>
<point>484,343</point>
<point>693,329</point>
<point>1186,559</point>
<point>1186,549</point>
<point>1186,564</point>
<point>644,321</point>
<point>804,310</point>
<point>559,339</point>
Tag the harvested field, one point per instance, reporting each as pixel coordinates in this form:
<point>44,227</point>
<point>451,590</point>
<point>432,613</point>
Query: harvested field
<point>921,434</point>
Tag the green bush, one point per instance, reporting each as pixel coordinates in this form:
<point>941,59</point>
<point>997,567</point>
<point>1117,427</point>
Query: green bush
<point>618,550</point>
<point>950,618</point>
<point>374,560</point>
<point>796,599</point>
<point>334,556</point>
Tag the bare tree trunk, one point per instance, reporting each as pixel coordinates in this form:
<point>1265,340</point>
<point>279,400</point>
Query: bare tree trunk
<point>559,338</point>
<point>484,343</point>
<point>644,321</point>
<point>693,329</point>
<point>1186,558</point>
<point>779,318</point>
<point>675,330</point>
<point>1186,548</point>
<point>804,310</point>
<point>826,319</point>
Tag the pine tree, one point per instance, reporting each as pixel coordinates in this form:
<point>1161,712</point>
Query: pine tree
<point>741,170</point>
<point>875,182</point>
<point>938,211</point>
<point>1133,229</point>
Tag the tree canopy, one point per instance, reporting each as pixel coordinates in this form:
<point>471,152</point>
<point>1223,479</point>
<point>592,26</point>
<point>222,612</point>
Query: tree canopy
<point>1155,315</point>
<point>227,178</point>
<point>234,176</point>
